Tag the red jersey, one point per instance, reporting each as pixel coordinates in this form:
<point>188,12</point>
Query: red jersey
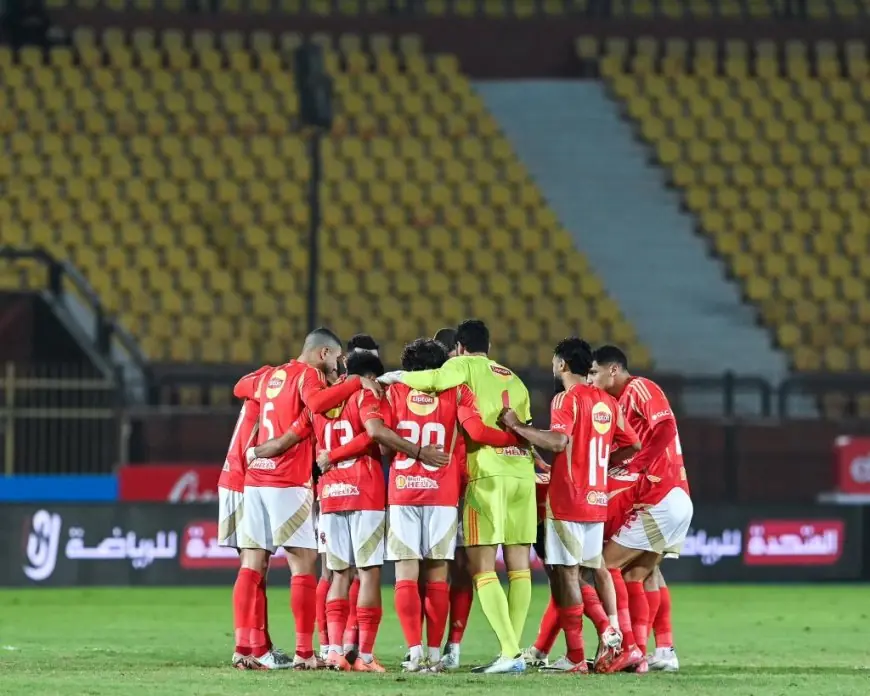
<point>591,419</point>
<point>233,473</point>
<point>429,419</point>
<point>645,406</point>
<point>357,483</point>
<point>284,393</point>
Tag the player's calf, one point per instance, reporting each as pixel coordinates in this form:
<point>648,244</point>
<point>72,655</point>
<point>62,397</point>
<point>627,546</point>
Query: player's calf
<point>369,614</point>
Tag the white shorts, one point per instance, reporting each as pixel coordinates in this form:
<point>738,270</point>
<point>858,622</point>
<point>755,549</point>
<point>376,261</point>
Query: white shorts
<point>230,513</point>
<point>277,517</point>
<point>661,528</point>
<point>574,543</point>
<point>416,532</point>
<point>354,538</point>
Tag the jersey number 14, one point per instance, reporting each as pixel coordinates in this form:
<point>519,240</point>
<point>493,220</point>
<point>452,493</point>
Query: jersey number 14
<point>599,458</point>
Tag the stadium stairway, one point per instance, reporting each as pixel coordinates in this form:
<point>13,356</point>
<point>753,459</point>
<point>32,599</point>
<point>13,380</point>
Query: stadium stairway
<point>598,179</point>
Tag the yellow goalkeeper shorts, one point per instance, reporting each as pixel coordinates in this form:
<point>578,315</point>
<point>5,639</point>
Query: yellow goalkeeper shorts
<point>499,510</point>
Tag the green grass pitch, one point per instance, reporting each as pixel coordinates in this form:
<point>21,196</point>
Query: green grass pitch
<point>738,640</point>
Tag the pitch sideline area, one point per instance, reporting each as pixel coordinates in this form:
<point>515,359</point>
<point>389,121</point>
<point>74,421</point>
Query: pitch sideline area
<point>736,640</point>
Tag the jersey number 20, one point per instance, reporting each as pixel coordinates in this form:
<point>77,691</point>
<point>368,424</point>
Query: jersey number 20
<point>429,434</point>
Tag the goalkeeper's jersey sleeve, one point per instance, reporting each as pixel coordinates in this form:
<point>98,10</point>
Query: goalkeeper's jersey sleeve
<point>488,381</point>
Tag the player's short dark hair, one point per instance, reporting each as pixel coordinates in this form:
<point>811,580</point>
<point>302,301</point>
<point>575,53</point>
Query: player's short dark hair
<point>361,341</point>
<point>423,354</point>
<point>576,353</point>
<point>473,335</point>
<point>447,338</point>
<point>608,355</point>
<point>321,337</point>
<point>363,363</point>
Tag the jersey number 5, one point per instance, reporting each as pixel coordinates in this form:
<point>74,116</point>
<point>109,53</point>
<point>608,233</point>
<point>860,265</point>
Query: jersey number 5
<point>338,434</point>
<point>429,434</point>
<point>599,458</point>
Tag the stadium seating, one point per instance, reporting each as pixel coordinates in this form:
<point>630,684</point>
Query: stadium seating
<point>170,169</point>
<point>672,9</point>
<point>768,144</point>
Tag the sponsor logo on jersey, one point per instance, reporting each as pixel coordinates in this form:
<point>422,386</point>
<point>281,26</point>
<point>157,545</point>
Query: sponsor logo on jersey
<point>501,372</point>
<point>263,464</point>
<point>661,414</point>
<point>275,383</point>
<point>339,490</point>
<point>602,418</point>
<point>404,482</point>
<point>512,451</point>
<point>421,403</point>
<point>596,498</point>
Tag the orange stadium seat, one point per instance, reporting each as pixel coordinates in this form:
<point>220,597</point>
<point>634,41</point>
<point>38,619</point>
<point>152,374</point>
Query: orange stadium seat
<point>172,172</point>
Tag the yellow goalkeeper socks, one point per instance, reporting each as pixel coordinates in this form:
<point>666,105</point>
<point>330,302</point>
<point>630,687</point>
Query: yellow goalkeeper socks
<point>495,608</point>
<point>519,598</point>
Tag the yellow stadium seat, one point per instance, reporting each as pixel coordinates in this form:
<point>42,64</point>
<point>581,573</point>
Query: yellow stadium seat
<point>156,155</point>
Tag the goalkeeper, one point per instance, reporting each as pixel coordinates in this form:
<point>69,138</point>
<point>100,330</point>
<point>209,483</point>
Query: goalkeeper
<point>500,498</point>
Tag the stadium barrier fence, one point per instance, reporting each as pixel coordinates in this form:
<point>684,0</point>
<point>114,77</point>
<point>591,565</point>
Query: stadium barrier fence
<point>59,545</point>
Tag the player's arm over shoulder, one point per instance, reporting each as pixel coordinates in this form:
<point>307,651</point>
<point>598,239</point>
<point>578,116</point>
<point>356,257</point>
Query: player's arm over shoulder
<point>318,396</point>
<point>451,374</point>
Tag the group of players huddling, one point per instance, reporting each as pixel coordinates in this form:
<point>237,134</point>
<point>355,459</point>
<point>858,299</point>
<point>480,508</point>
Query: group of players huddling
<point>304,472</point>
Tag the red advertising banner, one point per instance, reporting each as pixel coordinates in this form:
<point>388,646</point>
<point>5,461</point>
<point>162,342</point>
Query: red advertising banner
<point>852,462</point>
<point>173,483</point>
<point>794,542</point>
<point>200,549</point>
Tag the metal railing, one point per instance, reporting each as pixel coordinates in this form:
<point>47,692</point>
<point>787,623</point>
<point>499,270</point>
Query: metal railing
<point>70,419</point>
<point>58,419</point>
<point>65,279</point>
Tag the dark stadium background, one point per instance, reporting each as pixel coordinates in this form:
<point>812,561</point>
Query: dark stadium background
<point>156,237</point>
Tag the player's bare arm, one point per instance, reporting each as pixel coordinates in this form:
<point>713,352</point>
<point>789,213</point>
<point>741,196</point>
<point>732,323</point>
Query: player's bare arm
<point>545,439</point>
<point>540,464</point>
<point>380,433</point>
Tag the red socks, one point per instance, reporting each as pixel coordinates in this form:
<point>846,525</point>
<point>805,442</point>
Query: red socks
<point>249,613</point>
<point>549,630</point>
<point>653,599</point>
<point>303,603</point>
<point>461,598</point>
<point>594,609</point>
<point>639,610</point>
<point>351,631</point>
<point>622,610</point>
<point>437,606</point>
<point>369,621</point>
<point>571,619</point>
<point>662,620</point>
<point>408,609</point>
<point>336,619</point>
<point>322,592</point>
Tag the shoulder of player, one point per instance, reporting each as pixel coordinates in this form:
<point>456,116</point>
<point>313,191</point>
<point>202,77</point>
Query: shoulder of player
<point>642,389</point>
